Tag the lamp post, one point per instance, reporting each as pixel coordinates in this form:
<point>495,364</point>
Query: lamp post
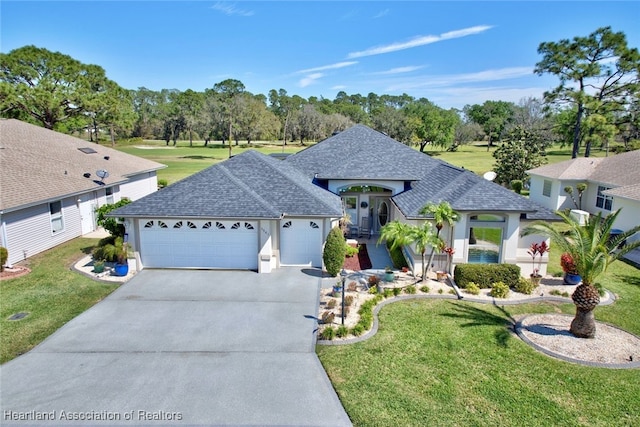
<point>343,275</point>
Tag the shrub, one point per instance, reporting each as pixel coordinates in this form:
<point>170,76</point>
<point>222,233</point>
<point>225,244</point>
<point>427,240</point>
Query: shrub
<point>352,287</point>
<point>472,288</point>
<point>162,183</point>
<point>410,290</point>
<point>348,300</point>
<point>440,291</point>
<point>516,185</point>
<point>357,330</point>
<point>397,257</point>
<point>525,286</point>
<point>396,291</point>
<point>373,280</point>
<point>334,251</point>
<point>350,250</point>
<point>388,293</point>
<point>328,333</point>
<point>425,289</point>
<point>485,274</point>
<point>327,317</point>
<point>4,256</point>
<point>112,225</point>
<point>331,303</point>
<point>558,293</point>
<point>342,331</point>
<point>452,292</point>
<point>373,290</point>
<point>346,311</point>
<point>499,290</point>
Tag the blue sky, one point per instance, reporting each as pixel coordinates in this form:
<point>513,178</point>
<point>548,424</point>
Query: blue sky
<point>453,53</point>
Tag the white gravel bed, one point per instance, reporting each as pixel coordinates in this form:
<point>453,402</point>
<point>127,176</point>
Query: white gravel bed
<point>551,333</point>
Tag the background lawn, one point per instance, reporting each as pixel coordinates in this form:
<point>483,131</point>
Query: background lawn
<point>449,363</point>
<point>183,160</point>
<point>52,294</point>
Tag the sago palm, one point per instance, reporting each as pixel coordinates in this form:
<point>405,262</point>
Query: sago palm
<point>593,249</point>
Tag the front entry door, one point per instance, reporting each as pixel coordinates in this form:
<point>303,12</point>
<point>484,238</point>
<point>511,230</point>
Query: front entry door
<point>382,214</point>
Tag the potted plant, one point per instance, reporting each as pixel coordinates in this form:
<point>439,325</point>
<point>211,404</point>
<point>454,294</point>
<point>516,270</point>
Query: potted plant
<point>534,250</point>
<point>571,276</point>
<point>98,266</point>
<point>118,251</point>
<point>388,274</point>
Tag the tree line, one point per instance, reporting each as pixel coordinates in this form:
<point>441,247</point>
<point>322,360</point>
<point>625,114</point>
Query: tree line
<point>596,103</point>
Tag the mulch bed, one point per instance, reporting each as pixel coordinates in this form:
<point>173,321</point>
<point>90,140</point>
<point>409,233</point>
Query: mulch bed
<point>13,272</point>
<point>360,261</point>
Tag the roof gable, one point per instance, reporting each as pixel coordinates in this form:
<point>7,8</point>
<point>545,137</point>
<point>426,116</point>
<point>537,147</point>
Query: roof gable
<point>39,164</point>
<point>362,153</point>
<point>249,185</point>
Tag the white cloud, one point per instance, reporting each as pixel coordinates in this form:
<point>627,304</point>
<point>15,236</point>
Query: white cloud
<point>231,9</point>
<point>399,70</point>
<point>310,79</point>
<point>453,79</point>
<point>338,87</point>
<point>328,67</point>
<point>419,41</point>
<point>381,14</point>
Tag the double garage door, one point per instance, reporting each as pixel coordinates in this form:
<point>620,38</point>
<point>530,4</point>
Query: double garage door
<point>199,244</point>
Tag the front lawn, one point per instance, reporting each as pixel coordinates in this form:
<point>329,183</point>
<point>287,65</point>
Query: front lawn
<point>436,362</point>
<point>52,294</point>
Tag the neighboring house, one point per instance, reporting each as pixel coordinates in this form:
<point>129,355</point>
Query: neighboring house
<point>256,212</point>
<point>612,183</point>
<point>49,188</point>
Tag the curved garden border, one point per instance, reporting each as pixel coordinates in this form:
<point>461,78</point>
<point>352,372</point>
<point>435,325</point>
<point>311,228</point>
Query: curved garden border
<point>374,328</point>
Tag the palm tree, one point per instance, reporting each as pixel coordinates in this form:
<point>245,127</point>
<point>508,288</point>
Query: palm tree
<point>441,213</point>
<point>593,250</point>
<point>400,234</point>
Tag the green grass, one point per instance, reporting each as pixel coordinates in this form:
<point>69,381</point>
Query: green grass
<point>476,158</point>
<point>183,160</point>
<point>444,363</point>
<point>52,294</point>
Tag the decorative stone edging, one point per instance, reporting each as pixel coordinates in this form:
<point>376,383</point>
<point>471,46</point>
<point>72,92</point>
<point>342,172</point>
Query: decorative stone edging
<point>496,301</point>
<point>631,365</point>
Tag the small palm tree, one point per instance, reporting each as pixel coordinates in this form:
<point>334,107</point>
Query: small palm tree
<point>400,234</point>
<point>442,213</point>
<point>593,250</point>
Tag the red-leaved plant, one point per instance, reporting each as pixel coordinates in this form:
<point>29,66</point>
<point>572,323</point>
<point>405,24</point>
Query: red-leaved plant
<point>567,263</point>
<point>534,250</point>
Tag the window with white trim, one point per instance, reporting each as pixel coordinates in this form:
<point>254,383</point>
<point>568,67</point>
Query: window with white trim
<point>546,188</point>
<point>55,211</point>
<point>603,201</point>
<point>109,191</point>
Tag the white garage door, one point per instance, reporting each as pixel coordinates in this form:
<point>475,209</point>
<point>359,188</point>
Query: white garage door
<point>199,244</point>
<point>301,242</point>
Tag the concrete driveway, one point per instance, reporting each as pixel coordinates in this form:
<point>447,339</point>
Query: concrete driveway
<point>181,347</point>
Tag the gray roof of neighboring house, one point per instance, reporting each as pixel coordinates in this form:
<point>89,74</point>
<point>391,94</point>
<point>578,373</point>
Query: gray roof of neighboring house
<point>363,153</point>
<point>249,185</point>
<point>38,165</point>
<point>617,170</point>
<point>631,192</point>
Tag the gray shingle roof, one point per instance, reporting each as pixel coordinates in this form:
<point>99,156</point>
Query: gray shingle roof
<point>617,170</point>
<point>363,153</point>
<point>249,185</point>
<point>37,164</point>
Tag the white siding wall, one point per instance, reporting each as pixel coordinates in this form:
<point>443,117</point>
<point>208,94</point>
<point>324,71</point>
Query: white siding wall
<point>139,186</point>
<point>28,231</point>
<point>629,217</point>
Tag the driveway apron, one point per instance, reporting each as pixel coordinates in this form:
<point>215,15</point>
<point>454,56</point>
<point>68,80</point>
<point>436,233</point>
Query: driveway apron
<point>181,347</point>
